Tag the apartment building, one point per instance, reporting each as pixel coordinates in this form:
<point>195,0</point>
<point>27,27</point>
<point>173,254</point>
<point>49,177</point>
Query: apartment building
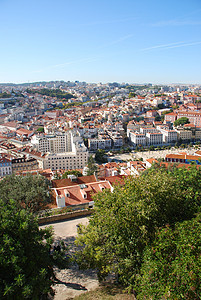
<point>146,130</point>
<point>137,138</point>
<point>193,116</point>
<point>53,143</point>
<point>117,140</point>
<point>24,164</point>
<point>183,158</point>
<point>169,136</point>
<point>171,117</point>
<point>66,161</point>
<point>5,166</point>
<point>104,143</point>
<point>154,138</point>
<point>63,151</point>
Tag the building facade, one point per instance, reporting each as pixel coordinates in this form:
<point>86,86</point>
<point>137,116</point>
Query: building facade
<point>5,166</point>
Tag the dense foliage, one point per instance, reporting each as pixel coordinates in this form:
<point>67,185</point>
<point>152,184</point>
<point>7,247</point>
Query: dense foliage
<point>181,121</point>
<point>125,226</point>
<point>31,192</point>
<point>171,267</point>
<point>92,168</point>
<point>5,95</point>
<point>72,172</point>
<point>40,129</point>
<point>26,258</point>
<point>59,94</point>
<point>100,156</point>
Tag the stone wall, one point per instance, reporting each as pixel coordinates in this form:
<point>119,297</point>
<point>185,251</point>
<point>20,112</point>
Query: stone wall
<point>64,217</point>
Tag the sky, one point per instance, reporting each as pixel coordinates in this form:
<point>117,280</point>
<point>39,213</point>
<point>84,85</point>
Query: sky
<point>101,41</point>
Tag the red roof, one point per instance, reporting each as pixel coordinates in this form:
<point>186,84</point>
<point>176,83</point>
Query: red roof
<point>116,180</point>
<point>58,183</point>
<point>77,194</point>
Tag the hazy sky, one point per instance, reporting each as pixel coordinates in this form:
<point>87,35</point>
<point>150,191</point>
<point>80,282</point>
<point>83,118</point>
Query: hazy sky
<point>100,41</point>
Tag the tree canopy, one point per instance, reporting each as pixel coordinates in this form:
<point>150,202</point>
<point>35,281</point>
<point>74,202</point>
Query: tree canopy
<point>5,95</point>
<point>92,168</point>
<point>31,192</point>
<point>59,94</point>
<point>126,222</point>
<point>100,156</point>
<point>171,267</point>
<point>40,129</point>
<point>72,172</point>
<point>181,121</point>
<point>26,258</point>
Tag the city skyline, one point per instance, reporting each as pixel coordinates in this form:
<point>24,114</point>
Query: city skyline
<point>100,42</point>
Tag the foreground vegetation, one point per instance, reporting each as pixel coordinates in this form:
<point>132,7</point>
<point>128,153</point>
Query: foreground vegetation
<point>148,233</point>
<point>30,192</point>
<point>27,256</point>
<point>107,291</point>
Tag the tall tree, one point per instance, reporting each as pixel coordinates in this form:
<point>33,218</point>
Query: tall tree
<point>26,258</point>
<point>171,267</point>
<point>124,222</point>
<point>100,156</point>
<point>181,121</point>
<point>31,192</point>
<point>92,168</point>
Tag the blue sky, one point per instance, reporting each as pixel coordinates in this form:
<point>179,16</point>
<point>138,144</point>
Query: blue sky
<point>100,41</point>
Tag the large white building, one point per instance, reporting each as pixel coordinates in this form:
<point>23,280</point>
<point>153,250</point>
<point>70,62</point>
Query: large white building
<point>66,161</point>
<point>169,136</point>
<point>99,143</point>
<point>137,138</point>
<point>154,138</point>
<point>63,151</point>
<point>53,143</point>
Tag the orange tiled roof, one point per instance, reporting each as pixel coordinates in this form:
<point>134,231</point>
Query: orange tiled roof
<point>58,183</point>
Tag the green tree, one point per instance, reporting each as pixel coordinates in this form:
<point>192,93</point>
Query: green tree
<point>100,156</point>
<point>181,121</point>
<point>125,222</point>
<point>5,95</point>
<point>40,129</point>
<point>171,266</point>
<point>26,261</point>
<point>92,168</point>
<point>157,118</point>
<point>59,94</point>
<point>72,172</point>
<point>131,95</point>
<point>57,175</point>
<point>31,192</point>
<point>151,148</point>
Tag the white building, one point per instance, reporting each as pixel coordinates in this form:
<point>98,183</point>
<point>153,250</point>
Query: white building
<point>145,130</point>
<point>117,140</point>
<point>99,143</point>
<point>154,138</point>
<point>55,143</point>
<point>137,138</point>
<point>169,136</point>
<point>63,151</point>
<point>66,161</point>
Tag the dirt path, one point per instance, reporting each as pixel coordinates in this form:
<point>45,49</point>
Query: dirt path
<point>72,281</point>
